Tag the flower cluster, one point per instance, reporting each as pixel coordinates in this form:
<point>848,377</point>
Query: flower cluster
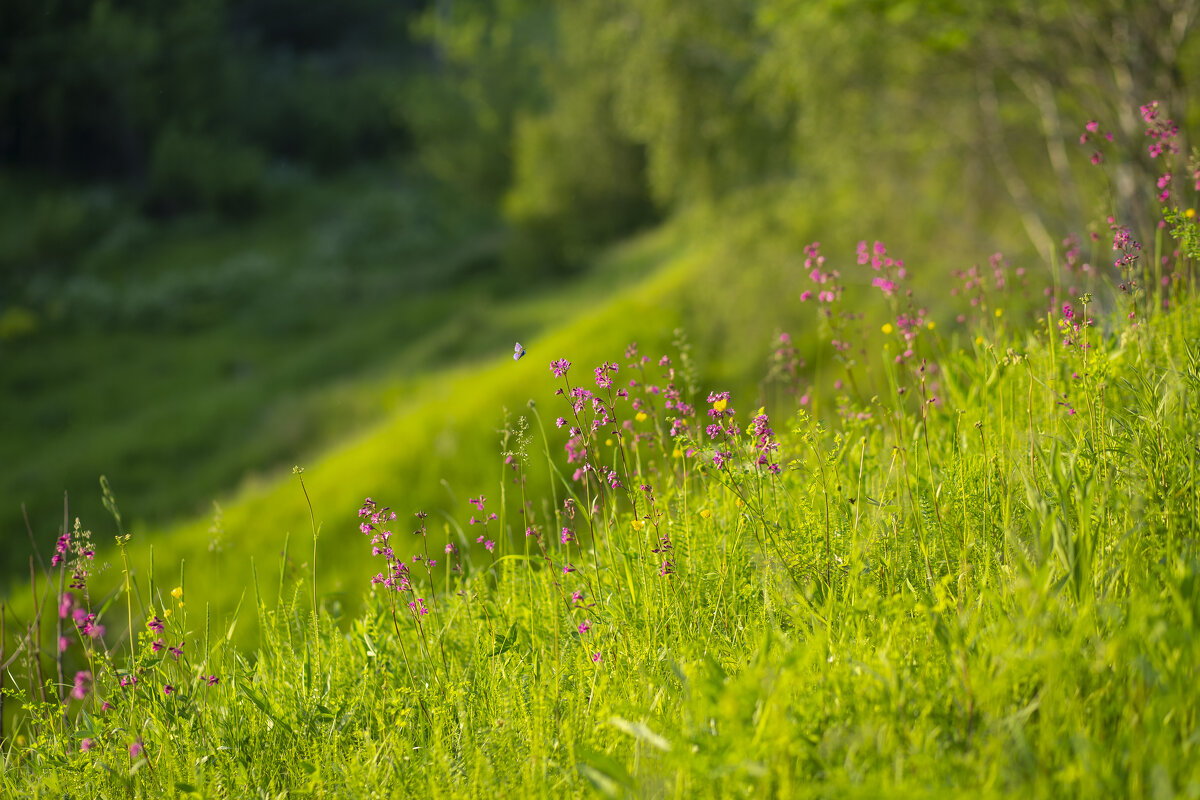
<point>1071,326</point>
<point>83,684</point>
<point>1092,132</point>
<point>374,519</point>
<point>1164,134</point>
<point>828,290</point>
<point>1129,250</point>
<point>76,543</point>
<point>891,269</point>
<point>764,442</point>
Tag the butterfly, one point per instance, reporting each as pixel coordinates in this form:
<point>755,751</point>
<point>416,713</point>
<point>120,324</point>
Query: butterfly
<point>518,351</point>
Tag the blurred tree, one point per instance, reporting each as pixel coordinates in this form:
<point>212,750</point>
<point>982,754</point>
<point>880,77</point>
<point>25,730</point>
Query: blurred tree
<point>974,80</point>
<point>88,87</point>
<point>490,62</point>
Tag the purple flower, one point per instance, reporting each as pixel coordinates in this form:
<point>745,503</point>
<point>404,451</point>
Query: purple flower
<point>211,680</point>
<point>86,744</point>
<point>559,367</point>
<point>596,657</point>
<point>155,625</point>
<point>566,536</point>
<point>90,628</point>
<point>136,750</point>
<point>60,549</point>
<point>168,689</point>
<point>478,502</point>
<point>489,545</point>
<point>65,604</point>
<point>83,684</point>
<point>585,626</point>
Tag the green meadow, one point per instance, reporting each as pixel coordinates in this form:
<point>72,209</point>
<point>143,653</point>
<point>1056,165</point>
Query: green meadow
<point>765,399</point>
<point>979,580</point>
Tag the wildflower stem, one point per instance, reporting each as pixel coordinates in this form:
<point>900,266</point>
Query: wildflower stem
<point>123,542</point>
<point>316,611</point>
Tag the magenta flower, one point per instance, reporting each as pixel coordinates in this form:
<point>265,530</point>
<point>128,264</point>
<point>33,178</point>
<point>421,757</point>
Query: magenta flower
<point>168,689</point>
<point>60,549</point>
<point>83,684</point>
<point>86,744</point>
<point>211,680</point>
<point>585,626</point>
<point>65,605</point>
<point>136,750</point>
<point>155,625</point>
<point>596,657</point>
<point>559,367</point>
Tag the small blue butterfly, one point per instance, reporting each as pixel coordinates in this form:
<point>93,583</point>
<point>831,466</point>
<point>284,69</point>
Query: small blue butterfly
<point>518,351</point>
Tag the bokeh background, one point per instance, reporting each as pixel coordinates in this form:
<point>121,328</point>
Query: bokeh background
<point>240,236</point>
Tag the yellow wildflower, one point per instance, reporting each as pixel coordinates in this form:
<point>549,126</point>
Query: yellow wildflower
<point>177,593</point>
<point>640,416</point>
<point>930,325</point>
<point>999,313</point>
<point>706,512</point>
<point>719,405</point>
<point>887,329</point>
<point>1191,212</point>
<point>638,524</point>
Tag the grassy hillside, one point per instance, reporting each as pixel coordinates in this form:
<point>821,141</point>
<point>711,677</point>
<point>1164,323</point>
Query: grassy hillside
<point>404,397</point>
<point>976,576</point>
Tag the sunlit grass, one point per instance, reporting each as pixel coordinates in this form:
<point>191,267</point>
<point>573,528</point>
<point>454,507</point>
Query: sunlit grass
<point>979,578</point>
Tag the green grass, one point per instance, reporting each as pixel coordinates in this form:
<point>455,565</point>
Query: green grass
<point>990,594</point>
<point>206,351</point>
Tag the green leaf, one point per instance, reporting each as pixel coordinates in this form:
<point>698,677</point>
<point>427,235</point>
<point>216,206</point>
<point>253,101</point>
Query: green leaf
<point>642,732</point>
<point>605,773</point>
